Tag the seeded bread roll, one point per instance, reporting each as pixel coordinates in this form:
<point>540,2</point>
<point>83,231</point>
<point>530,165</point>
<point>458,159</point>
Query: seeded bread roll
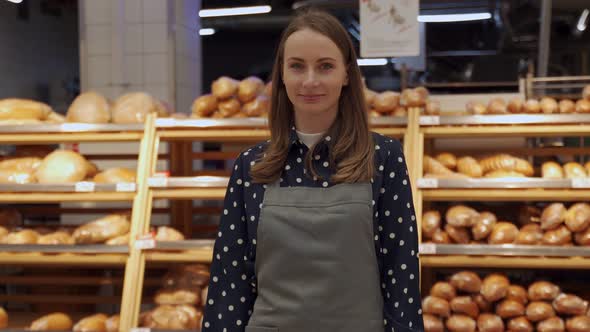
<point>517,293</point>
<point>510,309</point>
<point>461,323</point>
<point>436,306</point>
<point>569,304</point>
<point>490,323</point>
<point>578,324</point>
<point>538,311</point>
<point>495,287</point>
<point>553,324</point>
<point>443,290</point>
<point>464,305</point>
<point>543,291</point>
<point>466,281</point>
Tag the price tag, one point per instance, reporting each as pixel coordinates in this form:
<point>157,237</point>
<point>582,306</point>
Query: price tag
<point>146,241</point>
<point>125,187</point>
<point>431,120</point>
<point>158,181</point>
<point>141,329</point>
<point>427,183</point>
<point>84,187</point>
<point>166,122</point>
<point>581,183</point>
<point>427,248</point>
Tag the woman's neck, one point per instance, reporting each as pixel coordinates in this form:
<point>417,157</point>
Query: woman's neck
<point>313,124</point>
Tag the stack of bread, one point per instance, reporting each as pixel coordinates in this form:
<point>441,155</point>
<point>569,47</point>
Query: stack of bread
<point>546,105</point>
<point>447,165</point>
<point>59,166</point>
<point>92,107</point>
<point>570,170</point>
<point>466,303</point>
<point>59,321</point>
<point>555,226</point>
<point>390,103</point>
<point>14,111</point>
<point>230,98</point>
<point>180,302</point>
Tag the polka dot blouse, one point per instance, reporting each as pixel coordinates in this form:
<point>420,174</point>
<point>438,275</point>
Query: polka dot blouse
<point>232,288</point>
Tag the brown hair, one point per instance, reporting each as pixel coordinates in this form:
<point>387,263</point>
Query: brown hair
<point>352,147</point>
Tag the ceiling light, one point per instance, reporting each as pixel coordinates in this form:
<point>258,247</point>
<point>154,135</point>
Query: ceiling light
<point>582,21</point>
<point>372,62</point>
<point>16,1</point>
<point>234,11</point>
<point>206,32</point>
<point>454,17</point>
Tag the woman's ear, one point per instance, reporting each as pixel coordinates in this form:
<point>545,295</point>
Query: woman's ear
<point>345,80</point>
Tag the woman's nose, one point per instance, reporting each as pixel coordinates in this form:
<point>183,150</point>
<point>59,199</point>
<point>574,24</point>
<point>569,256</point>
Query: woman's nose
<point>310,79</point>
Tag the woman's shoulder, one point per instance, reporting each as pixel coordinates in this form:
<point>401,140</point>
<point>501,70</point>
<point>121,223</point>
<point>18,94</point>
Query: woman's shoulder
<point>251,154</point>
<point>386,147</point>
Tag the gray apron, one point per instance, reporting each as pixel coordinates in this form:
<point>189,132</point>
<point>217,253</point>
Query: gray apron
<point>316,265</point>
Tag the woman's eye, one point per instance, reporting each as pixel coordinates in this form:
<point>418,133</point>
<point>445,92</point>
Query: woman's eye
<point>326,66</point>
<point>296,66</point>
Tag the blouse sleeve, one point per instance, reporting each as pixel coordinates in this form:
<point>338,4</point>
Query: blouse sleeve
<point>399,247</point>
<point>231,295</point>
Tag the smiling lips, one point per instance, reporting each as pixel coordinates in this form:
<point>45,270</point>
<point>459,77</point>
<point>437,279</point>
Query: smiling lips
<point>310,98</point>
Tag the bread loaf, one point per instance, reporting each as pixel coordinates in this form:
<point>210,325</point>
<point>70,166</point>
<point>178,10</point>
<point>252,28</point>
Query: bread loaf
<point>62,166</point>
<point>502,233</point>
<point>482,303</point>
<point>89,107</point>
<point>461,216</point>
<point>553,216</point>
<point>510,309</point>
<point>433,166</point>
<point>532,106</point>
<point>443,290</point>
<point>257,107</point>
<point>25,236</point>
<point>543,291</point>
<point>577,218</point>
<point>520,324</point>
<point>466,281</point>
<point>432,107</point>
<point>436,306</point>
<point>469,167</point>
<point>179,296</point>
<point>553,324</point>
<point>94,323</point>
<point>530,234</point>
<point>505,162</point>
<point>447,159</point>
<point>430,223</point>
<point>441,237</point>
<point>52,322</point>
<point>386,101</point>
<point>224,87</point>
<point>517,293</point>
<point>583,106</point>
<point>369,97</point>
<point>399,111</point>
<point>101,230</point>
<point>465,305</point>
<point>433,323</point>
<point>134,107</point>
<point>549,105</point>
<point>56,238</point>
<point>484,224</point>
<point>557,237</point>
<point>112,324</point>
<point>574,170</point>
<point>567,106</point>
<point>121,240</point>
<point>583,238</point>
<point>229,107</point>
<point>194,316</point>
<point>578,324</point>
<point>461,323</point>
<point>537,311</point>
<point>170,317</point>
<point>115,175</point>
<point>23,109</point>
<point>569,304</point>
<point>249,88</point>
<point>495,287</point>
<point>168,234</point>
<point>413,97</point>
<point>490,323</point>
<point>458,234</point>
<point>552,170</point>
<point>503,174</point>
<point>476,108</point>
<point>13,176</point>
<point>497,106</point>
<point>21,164</point>
<point>204,106</point>
<point>515,105</point>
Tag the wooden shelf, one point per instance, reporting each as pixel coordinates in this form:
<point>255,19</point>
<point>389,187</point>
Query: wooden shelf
<point>191,193</point>
<point>32,258</point>
<point>66,138</point>
<point>506,195</point>
<point>188,256</point>
<point>504,262</point>
<point>506,131</point>
<point>51,197</point>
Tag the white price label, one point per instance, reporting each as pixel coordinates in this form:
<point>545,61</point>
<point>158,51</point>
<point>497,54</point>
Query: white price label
<point>427,248</point>
<point>432,120</point>
<point>125,187</point>
<point>141,329</point>
<point>427,183</point>
<point>145,242</point>
<point>158,181</point>
<point>581,183</point>
<point>166,122</point>
<point>84,187</point>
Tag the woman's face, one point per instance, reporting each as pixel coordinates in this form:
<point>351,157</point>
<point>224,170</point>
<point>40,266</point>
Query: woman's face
<point>313,73</point>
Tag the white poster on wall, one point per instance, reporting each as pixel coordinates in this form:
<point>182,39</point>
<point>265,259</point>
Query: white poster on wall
<point>389,28</point>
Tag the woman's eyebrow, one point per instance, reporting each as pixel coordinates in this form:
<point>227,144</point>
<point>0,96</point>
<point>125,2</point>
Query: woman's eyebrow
<point>319,60</point>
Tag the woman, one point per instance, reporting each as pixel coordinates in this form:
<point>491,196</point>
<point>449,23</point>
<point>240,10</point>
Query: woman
<point>318,231</point>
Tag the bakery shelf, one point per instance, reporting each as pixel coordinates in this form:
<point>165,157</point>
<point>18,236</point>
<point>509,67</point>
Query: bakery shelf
<point>69,187</point>
<point>504,262</point>
<point>184,245</point>
<point>73,249</point>
<point>503,183</point>
<point>503,119</point>
<point>507,131</point>
<point>505,195</point>
<point>70,132</point>
<point>204,255</point>
<point>55,197</point>
<point>198,187</point>
<point>36,258</point>
<point>433,249</point>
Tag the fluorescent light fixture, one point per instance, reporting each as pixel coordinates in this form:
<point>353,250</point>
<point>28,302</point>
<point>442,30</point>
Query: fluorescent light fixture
<point>16,1</point>
<point>454,17</point>
<point>234,11</point>
<point>372,62</point>
<point>206,32</point>
<point>582,21</point>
